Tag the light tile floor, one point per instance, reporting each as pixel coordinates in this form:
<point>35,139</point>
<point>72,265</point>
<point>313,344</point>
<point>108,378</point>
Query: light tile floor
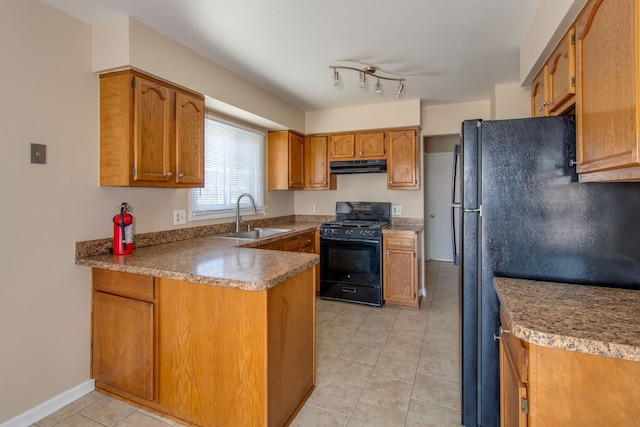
<point>374,367</point>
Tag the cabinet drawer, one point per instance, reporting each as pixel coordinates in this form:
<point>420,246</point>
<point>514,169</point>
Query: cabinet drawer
<point>127,285</point>
<point>393,241</point>
<point>515,347</point>
<point>291,245</point>
<point>274,246</point>
<point>306,241</point>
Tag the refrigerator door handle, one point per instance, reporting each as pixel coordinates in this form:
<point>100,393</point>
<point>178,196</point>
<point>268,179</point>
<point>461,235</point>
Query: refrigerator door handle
<point>454,205</point>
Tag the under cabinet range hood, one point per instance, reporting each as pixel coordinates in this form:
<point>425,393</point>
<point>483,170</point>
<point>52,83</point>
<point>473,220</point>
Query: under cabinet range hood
<point>358,166</point>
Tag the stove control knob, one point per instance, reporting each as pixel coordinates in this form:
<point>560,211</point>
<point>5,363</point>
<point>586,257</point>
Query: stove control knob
<point>348,232</point>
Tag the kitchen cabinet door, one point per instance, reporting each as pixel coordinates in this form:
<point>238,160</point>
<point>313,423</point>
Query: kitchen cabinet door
<point>152,131</point>
<point>402,161</point>
<point>370,145</point>
<point>561,69</point>
<point>316,164</point>
<point>400,271</point>
<point>189,139</point>
<point>514,403</point>
<point>342,146</point>
<point>607,114</point>
<point>539,94</point>
<point>123,344</point>
<point>285,153</point>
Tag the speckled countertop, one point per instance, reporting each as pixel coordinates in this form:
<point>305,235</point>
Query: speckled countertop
<point>214,260</point>
<point>402,229</point>
<point>587,319</point>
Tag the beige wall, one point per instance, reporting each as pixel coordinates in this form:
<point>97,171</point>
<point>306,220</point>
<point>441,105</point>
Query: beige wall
<point>446,119</point>
<point>551,21</point>
<point>510,101</point>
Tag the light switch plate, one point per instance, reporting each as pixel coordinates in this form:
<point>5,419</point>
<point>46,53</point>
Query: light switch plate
<point>38,153</point>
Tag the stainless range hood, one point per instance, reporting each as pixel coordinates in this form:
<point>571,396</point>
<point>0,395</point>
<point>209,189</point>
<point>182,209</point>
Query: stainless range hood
<point>358,166</point>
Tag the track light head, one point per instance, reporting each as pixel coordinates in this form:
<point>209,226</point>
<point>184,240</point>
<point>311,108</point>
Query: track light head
<point>378,87</point>
<point>400,89</point>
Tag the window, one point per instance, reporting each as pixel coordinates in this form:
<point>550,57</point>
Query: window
<point>233,164</point>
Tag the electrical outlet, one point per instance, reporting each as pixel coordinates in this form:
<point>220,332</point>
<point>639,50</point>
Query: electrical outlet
<point>312,208</point>
<point>179,217</point>
<point>396,210</point>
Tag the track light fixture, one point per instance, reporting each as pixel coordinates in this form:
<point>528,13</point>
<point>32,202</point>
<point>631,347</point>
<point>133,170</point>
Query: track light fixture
<point>368,71</point>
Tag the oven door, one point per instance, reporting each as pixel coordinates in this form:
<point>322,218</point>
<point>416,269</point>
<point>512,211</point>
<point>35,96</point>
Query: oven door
<point>350,270</point>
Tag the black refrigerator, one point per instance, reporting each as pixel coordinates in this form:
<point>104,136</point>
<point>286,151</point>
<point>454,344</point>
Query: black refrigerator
<point>523,214</point>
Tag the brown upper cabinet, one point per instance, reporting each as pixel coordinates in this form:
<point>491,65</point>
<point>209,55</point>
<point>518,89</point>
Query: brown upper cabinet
<point>285,160</point>
<point>316,164</point>
<point>358,146</point>
<point>607,113</point>
<point>539,94</point>
<point>151,132</point>
<point>402,160</point>
<point>553,89</point>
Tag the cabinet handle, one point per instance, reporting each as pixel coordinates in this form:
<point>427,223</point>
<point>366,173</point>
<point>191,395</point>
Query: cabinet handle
<point>573,163</point>
<point>169,174</point>
<point>387,252</point>
<point>181,175</point>
<point>361,153</point>
<point>500,332</point>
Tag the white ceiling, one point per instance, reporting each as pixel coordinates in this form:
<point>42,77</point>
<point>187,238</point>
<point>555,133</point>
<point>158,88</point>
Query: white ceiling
<point>448,50</point>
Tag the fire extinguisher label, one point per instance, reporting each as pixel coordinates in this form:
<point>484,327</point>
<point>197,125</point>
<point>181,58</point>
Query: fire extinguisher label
<point>128,233</point>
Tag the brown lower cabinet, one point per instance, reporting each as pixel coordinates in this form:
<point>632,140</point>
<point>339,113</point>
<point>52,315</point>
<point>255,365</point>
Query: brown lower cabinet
<point>308,242</point>
<point>400,270</point>
<point>542,386</point>
<point>204,354</point>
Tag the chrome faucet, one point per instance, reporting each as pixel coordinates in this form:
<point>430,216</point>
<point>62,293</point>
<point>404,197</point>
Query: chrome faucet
<point>238,219</point>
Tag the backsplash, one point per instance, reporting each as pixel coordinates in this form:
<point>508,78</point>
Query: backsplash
<point>103,246</point>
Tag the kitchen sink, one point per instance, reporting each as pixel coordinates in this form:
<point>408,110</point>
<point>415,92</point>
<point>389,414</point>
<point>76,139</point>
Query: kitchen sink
<point>257,233</point>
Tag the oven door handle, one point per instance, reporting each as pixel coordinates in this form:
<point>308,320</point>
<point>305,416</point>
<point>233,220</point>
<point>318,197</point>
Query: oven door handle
<point>337,239</point>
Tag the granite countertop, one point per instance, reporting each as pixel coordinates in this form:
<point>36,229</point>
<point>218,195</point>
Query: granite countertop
<point>214,260</point>
<point>596,320</point>
<point>402,229</point>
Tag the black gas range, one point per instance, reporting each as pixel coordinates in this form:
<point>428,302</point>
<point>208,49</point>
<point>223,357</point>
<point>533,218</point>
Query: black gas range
<point>351,252</point>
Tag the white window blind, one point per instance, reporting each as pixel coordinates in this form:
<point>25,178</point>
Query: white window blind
<point>233,164</point>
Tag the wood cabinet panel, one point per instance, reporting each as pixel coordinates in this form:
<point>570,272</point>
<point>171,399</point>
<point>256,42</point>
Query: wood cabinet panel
<point>539,94</point>
<point>316,164</point>
<point>513,396</point>
<point>607,94</point>
<point>342,146</point>
<point>123,344</point>
<point>285,153</point>
<point>189,139</point>
<point>400,271</point>
<point>128,285</point>
<point>370,145</point>
<point>257,375</point>
<point>561,70</point>
<point>402,160</point>
<point>149,133</point>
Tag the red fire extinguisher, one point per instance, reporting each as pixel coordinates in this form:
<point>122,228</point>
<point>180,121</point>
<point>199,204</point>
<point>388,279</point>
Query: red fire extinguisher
<point>123,231</point>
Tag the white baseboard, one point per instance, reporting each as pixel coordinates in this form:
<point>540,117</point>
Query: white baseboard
<point>50,406</point>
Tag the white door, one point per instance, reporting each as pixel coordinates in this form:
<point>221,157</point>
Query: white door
<point>438,214</point>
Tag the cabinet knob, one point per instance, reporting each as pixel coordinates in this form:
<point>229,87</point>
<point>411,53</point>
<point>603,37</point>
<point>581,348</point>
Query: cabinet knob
<point>387,252</point>
<point>361,153</point>
<point>573,163</point>
<point>181,175</point>
<point>169,174</point>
